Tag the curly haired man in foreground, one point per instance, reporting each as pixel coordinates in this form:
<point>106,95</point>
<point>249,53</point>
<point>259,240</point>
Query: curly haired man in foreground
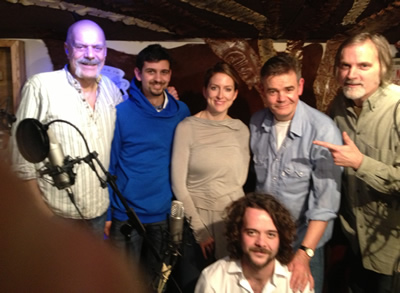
<point>260,231</point>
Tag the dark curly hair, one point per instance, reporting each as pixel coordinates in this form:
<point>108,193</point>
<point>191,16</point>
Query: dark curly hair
<point>280,215</point>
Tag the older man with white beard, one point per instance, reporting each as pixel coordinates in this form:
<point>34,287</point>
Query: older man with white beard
<point>80,95</point>
<point>367,113</point>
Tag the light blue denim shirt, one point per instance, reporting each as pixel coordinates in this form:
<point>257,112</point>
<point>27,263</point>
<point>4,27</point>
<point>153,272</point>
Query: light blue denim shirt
<point>300,174</point>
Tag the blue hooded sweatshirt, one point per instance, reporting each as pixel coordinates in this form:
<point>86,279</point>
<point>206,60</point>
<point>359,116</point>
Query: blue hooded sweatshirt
<point>141,156</point>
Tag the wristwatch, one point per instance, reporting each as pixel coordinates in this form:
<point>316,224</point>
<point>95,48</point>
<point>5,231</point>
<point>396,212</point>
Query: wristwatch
<point>308,251</point>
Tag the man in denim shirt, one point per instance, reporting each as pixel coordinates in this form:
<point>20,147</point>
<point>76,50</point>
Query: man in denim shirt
<point>289,166</point>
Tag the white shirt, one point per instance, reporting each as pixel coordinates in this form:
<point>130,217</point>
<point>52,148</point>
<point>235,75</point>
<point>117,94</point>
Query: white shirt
<point>281,128</point>
<point>226,275</point>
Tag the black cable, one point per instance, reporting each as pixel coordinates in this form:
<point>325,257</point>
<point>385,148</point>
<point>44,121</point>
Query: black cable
<point>71,197</point>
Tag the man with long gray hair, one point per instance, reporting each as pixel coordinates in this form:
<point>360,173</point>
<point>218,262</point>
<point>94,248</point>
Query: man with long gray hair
<point>366,111</point>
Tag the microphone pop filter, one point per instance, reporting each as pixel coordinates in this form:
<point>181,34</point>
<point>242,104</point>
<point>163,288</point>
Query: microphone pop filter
<point>32,140</point>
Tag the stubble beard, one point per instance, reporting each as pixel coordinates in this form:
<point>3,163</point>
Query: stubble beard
<point>255,265</point>
<point>160,92</point>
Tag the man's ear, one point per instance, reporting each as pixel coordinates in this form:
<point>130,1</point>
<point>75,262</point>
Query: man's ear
<point>301,86</point>
<point>138,74</point>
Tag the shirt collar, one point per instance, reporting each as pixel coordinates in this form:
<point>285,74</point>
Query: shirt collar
<point>164,105</point>
<point>279,271</point>
<point>235,267</point>
<point>296,126</point>
<point>372,101</point>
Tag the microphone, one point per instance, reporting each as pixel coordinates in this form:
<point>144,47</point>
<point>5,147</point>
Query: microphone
<point>36,142</point>
<point>56,158</point>
<point>176,220</point>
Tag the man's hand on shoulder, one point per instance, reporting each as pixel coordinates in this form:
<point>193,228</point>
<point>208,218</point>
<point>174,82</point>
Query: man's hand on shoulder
<point>173,92</point>
<point>301,273</point>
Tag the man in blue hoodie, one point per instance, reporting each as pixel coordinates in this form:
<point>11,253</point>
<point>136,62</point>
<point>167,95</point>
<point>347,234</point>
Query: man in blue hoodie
<point>141,155</point>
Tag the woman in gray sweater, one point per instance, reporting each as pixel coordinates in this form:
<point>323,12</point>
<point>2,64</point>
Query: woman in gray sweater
<point>209,166</point>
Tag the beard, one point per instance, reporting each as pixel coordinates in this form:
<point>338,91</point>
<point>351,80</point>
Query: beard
<point>78,70</point>
<point>354,93</point>
<point>248,258</point>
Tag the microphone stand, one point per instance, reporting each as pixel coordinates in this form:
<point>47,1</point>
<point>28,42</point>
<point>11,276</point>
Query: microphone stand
<point>133,220</point>
<point>167,268</point>
<point>109,178</point>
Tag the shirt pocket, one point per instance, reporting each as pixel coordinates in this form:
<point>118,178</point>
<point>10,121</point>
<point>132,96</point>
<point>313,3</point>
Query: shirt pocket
<point>381,153</point>
<point>295,177</point>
